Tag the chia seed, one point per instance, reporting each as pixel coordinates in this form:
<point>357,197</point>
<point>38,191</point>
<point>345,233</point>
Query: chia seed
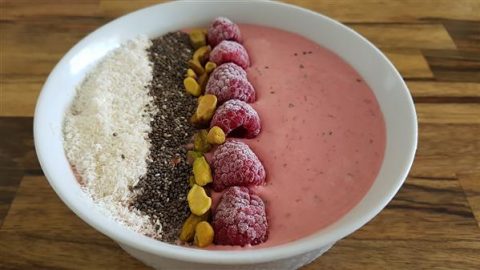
<point>161,193</point>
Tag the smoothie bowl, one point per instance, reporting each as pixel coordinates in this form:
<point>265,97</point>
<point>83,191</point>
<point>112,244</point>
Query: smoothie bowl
<point>225,135</point>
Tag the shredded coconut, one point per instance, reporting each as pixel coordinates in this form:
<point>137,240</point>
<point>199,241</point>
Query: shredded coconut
<point>106,131</point>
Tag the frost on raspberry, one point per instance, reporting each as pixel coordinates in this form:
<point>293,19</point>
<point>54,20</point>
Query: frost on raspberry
<point>237,119</point>
<point>230,51</point>
<point>229,81</point>
<point>223,29</point>
<point>240,218</point>
<point>235,164</point>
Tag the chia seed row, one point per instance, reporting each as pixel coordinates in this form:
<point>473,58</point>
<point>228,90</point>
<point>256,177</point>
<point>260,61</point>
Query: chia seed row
<point>162,192</point>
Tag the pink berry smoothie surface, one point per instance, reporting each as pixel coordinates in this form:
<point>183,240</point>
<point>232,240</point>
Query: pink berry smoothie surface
<point>323,134</point>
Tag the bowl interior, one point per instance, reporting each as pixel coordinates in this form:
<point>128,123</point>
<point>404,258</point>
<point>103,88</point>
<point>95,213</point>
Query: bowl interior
<point>387,85</point>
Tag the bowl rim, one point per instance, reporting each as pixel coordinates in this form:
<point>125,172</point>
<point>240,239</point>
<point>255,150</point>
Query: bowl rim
<point>221,257</point>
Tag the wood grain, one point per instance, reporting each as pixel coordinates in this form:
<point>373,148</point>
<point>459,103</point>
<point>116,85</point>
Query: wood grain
<point>18,9</point>
<point>406,36</point>
<point>454,65</point>
<point>449,113</point>
<point>432,223</point>
<point>444,89</point>
<point>465,33</point>
<point>410,63</point>
<point>115,8</point>
<point>362,11</point>
<point>19,98</point>
<point>406,11</point>
<point>10,179</point>
<point>471,186</point>
<point>34,46</point>
<point>29,231</point>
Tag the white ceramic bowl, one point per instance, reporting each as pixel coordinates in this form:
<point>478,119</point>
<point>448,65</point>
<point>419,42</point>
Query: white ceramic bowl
<point>387,84</point>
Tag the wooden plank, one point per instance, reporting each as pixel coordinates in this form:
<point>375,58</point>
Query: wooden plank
<point>62,250</point>
<point>465,33</point>
<point>35,64</point>
<point>19,98</point>
<point>410,63</point>
<point>350,11</point>
<point>34,47</point>
<point>450,152</point>
<point>454,65</point>
<point>471,185</point>
<point>448,113</point>
<point>346,11</point>
<point>444,89</point>
<point>17,148</point>
<point>41,232</point>
<point>21,9</point>
<point>10,180</point>
<point>25,215</point>
<point>406,36</point>
<point>393,11</point>
<point>429,204</point>
<point>437,144</point>
<point>395,254</point>
<point>115,8</point>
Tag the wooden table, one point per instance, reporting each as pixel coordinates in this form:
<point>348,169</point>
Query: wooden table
<point>433,222</point>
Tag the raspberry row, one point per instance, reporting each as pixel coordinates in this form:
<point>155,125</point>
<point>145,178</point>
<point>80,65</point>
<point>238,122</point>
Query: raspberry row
<point>217,77</point>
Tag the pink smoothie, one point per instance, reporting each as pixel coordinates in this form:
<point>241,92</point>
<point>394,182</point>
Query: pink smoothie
<point>323,135</point>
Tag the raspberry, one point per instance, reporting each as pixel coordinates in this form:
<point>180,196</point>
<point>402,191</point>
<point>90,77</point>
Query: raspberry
<point>238,118</point>
<point>235,164</point>
<point>229,81</point>
<point>240,218</point>
<point>223,29</point>
<point>229,51</point>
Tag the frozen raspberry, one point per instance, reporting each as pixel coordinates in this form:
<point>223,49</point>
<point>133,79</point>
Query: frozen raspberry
<point>229,51</point>
<point>223,29</point>
<point>240,218</point>
<point>229,81</point>
<point>237,118</point>
<point>235,164</point>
